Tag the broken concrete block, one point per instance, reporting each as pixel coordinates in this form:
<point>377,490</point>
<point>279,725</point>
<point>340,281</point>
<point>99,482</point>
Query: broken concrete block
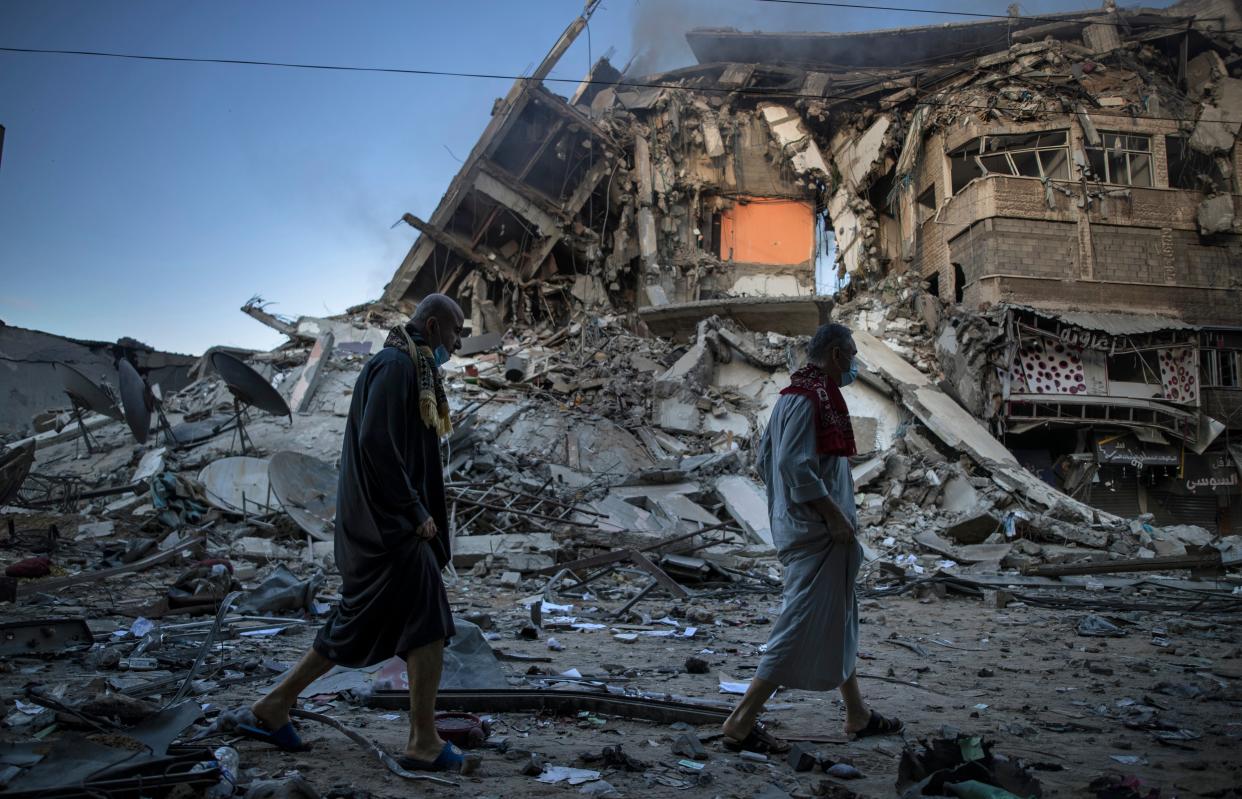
<point>867,471</point>
<point>470,549</point>
<point>790,132</point>
<point>713,144</point>
<point>678,416</point>
<point>511,579</point>
<point>693,369</point>
<point>647,235</point>
<point>1218,122</point>
<point>747,502</point>
<point>312,374</point>
<point>1216,214</point>
<point>1101,37</point>
<point>94,530</point>
<point>688,745</point>
<point>802,756</point>
<point>727,422</point>
<point>973,528</point>
<point>1202,70</point>
<point>1188,534</point>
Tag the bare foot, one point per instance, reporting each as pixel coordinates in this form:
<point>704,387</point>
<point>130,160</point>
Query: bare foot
<point>735,730</point>
<point>271,713</point>
<point>428,752</point>
<point>857,721</point>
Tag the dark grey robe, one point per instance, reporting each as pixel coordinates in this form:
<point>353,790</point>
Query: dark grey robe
<point>392,596</point>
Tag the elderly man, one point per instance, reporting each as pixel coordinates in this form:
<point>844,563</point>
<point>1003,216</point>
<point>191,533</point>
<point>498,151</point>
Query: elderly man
<point>391,536</point>
<point>804,461</point>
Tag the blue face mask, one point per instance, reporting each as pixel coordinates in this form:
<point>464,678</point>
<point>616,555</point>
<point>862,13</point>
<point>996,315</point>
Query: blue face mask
<point>851,374</point>
<point>441,356</point>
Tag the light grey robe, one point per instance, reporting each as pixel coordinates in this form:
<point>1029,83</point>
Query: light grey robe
<point>814,643</point>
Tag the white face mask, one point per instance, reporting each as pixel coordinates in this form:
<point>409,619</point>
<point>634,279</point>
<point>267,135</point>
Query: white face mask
<point>850,374</point>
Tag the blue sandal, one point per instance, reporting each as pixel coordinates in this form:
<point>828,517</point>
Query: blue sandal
<point>286,738</point>
<point>449,759</point>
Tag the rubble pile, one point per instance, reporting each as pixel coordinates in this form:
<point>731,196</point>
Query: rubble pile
<point>613,567</point>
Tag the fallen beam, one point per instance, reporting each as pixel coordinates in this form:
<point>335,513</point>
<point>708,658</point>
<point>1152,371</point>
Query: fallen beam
<point>57,583</point>
<point>564,703</point>
<point>1208,562</point>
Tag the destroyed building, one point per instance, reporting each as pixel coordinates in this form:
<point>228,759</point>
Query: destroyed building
<point>1064,187</point>
<point>1046,482</point>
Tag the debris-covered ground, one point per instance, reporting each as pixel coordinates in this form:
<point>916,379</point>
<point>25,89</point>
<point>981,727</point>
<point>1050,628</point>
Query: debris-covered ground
<point>168,548</point>
<point>633,452</point>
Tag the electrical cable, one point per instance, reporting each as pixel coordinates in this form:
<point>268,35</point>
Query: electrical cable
<point>1095,112</point>
<point>1087,18</point>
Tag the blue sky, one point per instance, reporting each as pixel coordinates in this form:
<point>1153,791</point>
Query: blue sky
<point>151,199</point>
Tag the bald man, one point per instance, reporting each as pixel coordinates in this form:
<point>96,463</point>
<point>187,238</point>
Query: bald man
<point>391,536</point>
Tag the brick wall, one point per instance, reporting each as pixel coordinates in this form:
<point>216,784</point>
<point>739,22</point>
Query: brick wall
<point>1016,246</point>
<point>1145,255</point>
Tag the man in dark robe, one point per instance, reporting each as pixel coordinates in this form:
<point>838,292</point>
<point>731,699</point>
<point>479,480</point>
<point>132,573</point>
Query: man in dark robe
<point>392,535</point>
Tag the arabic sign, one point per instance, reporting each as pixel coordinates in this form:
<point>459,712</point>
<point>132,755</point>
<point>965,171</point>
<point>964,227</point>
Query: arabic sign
<point>1206,474</point>
<point>1129,451</point>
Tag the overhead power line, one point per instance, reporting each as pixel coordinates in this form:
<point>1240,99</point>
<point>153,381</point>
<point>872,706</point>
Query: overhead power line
<point>1096,112</point>
<point>1086,18</point>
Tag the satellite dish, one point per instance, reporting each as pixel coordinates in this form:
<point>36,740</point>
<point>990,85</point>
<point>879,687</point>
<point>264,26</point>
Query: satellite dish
<point>84,394</point>
<point>138,401</point>
<point>239,485</point>
<point>249,388</point>
<point>14,466</point>
<point>306,487</point>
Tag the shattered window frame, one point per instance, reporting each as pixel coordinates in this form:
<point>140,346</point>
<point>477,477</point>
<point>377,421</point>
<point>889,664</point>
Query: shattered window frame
<point>1187,166</point>
<point>1135,366</point>
<point>1220,368</point>
<point>1040,154</point>
<point>1113,162</point>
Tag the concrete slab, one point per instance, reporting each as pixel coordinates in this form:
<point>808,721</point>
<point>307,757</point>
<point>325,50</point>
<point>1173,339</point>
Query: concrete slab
<point>747,502</point>
<point>470,549</point>
<point>312,373</point>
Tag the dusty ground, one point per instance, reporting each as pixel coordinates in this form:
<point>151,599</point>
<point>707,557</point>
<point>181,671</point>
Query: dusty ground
<point>1050,696</point>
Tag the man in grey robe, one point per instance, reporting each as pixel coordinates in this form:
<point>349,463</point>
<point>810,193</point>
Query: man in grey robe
<point>803,459</point>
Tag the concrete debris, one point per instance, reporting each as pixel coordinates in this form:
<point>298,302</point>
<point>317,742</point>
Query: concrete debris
<point>1034,257</point>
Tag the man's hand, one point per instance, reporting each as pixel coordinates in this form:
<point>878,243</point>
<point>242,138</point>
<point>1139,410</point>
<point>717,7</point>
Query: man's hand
<point>427,529</point>
<point>839,527</point>
<point>840,530</point>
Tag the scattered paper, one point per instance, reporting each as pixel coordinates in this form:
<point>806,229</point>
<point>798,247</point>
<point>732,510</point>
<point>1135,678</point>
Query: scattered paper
<point>575,776</point>
<point>29,708</point>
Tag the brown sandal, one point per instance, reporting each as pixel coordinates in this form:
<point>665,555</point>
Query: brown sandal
<point>879,725</point>
<point>758,740</point>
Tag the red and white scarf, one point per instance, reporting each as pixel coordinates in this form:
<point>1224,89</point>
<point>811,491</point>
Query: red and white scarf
<point>834,434</point>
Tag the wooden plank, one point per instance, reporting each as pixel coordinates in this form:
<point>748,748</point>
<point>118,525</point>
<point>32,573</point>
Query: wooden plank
<point>57,583</point>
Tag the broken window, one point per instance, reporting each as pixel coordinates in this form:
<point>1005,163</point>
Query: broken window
<point>1044,154</point>
<point>1134,367</point>
<point>1122,159</point>
<point>1220,359</point>
<point>933,284</point>
<point>927,204</point>
<point>959,283</point>
<point>1191,169</point>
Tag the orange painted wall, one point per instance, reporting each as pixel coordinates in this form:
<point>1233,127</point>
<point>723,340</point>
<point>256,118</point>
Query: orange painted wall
<point>763,231</point>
